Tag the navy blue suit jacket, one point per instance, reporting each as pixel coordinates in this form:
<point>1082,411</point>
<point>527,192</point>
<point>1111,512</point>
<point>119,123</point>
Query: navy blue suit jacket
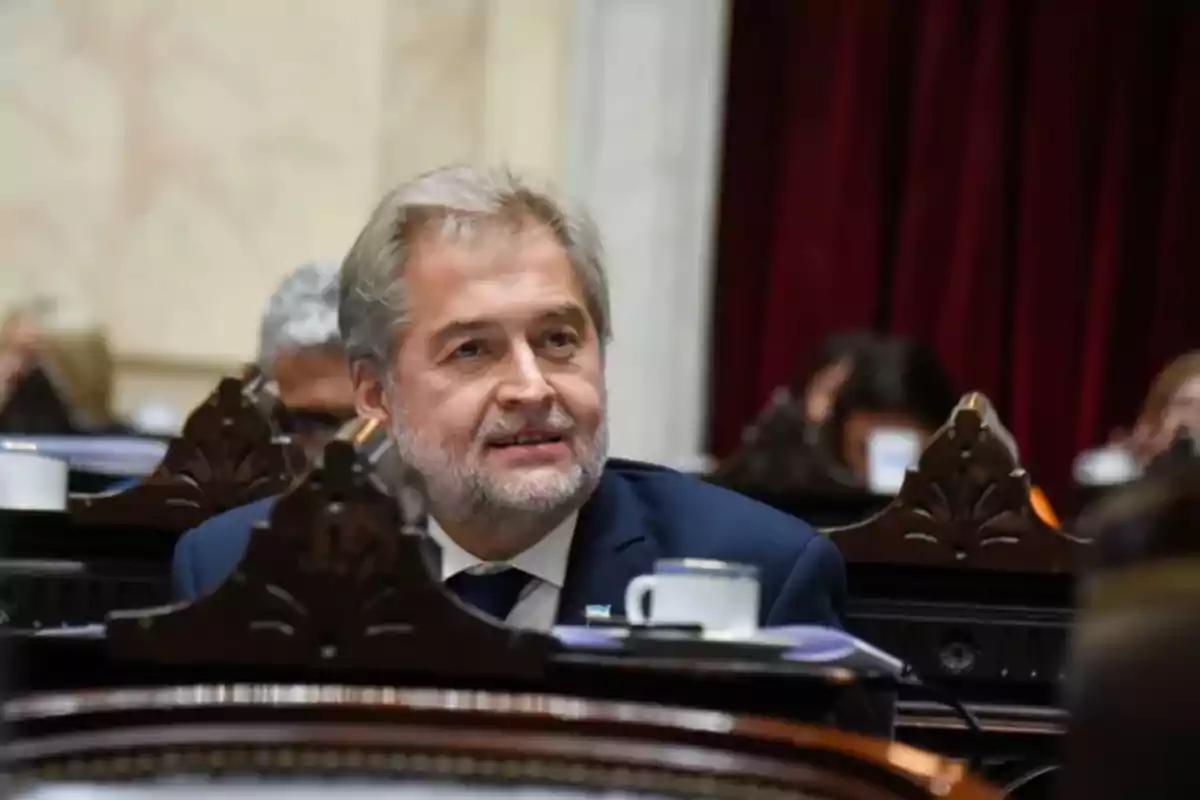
<point>638,513</point>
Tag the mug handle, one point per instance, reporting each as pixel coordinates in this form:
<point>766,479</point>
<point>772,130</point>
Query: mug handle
<point>635,594</point>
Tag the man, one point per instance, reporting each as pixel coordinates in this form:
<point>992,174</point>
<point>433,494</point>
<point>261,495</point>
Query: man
<point>475,314</point>
<point>300,350</point>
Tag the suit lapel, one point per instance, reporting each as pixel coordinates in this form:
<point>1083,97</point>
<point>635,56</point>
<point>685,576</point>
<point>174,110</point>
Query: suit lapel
<point>614,543</point>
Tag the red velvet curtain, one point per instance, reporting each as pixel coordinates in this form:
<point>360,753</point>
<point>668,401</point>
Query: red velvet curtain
<point>1015,183</point>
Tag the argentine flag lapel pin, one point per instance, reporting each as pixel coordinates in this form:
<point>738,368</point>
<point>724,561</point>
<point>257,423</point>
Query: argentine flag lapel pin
<point>597,613</point>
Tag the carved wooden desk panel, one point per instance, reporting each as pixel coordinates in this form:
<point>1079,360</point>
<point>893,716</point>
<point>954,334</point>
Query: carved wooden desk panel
<point>966,506</point>
<point>230,453</point>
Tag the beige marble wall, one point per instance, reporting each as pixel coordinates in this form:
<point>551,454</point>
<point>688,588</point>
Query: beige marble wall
<point>165,162</point>
<point>643,154</point>
<point>475,80</point>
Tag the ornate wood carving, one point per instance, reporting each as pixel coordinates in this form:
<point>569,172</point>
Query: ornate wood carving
<point>340,575</point>
<point>230,453</point>
<point>965,506</point>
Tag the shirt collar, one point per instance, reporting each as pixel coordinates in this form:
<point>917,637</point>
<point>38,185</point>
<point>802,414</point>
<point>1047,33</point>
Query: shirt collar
<point>546,560</point>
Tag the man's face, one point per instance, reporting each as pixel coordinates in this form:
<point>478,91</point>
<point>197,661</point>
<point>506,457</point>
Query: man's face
<point>497,382</point>
<point>314,385</point>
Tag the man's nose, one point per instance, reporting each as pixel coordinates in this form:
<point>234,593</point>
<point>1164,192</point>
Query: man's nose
<point>524,383</point>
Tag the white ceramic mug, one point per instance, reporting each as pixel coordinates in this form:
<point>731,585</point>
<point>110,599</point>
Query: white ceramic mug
<point>891,452</point>
<point>720,597</point>
<point>32,481</point>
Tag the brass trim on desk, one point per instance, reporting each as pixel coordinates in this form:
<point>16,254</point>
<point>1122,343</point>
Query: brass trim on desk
<point>993,718</point>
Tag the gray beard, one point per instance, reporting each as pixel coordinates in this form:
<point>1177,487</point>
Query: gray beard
<point>468,495</point>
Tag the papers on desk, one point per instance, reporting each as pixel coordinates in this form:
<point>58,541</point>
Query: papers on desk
<point>118,456</point>
<point>95,630</point>
<point>800,644</point>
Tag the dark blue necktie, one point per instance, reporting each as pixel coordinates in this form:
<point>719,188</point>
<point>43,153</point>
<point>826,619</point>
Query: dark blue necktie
<point>493,592</point>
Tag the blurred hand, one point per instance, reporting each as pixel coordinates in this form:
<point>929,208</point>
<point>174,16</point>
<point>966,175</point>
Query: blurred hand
<point>1144,441</point>
<point>20,344</point>
<point>823,388</point>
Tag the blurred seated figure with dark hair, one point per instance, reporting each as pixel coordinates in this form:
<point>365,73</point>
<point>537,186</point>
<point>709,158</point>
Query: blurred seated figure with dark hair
<point>783,448</point>
<point>896,387</point>
<point>300,352</point>
<point>879,401</point>
<point>864,389</point>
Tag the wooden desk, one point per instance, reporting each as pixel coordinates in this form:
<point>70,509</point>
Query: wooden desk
<point>726,731</point>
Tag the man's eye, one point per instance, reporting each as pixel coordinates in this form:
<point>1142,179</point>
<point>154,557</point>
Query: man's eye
<point>468,349</point>
<point>561,340</point>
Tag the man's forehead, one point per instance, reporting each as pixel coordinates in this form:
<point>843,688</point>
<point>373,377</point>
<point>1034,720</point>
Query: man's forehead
<point>478,279</point>
<point>509,315</point>
<point>484,248</point>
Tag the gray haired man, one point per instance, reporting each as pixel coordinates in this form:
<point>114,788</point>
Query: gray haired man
<point>475,312</point>
<point>300,350</point>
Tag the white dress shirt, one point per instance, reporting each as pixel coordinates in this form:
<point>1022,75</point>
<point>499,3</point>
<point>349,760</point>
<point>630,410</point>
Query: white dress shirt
<point>546,561</point>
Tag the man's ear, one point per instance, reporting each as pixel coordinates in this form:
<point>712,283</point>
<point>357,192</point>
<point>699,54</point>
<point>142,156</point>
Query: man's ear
<point>370,397</point>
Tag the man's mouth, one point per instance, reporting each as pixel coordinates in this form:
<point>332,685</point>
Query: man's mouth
<point>527,439</point>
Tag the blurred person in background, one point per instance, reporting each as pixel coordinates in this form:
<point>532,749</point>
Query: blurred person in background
<point>20,343</point>
<point>815,436</point>
<point>1171,410</point>
<point>300,352</point>
<point>782,450</point>
<point>898,384</point>
<point>893,383</point>
<point>1172,403</point>
<point>54,382</point>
